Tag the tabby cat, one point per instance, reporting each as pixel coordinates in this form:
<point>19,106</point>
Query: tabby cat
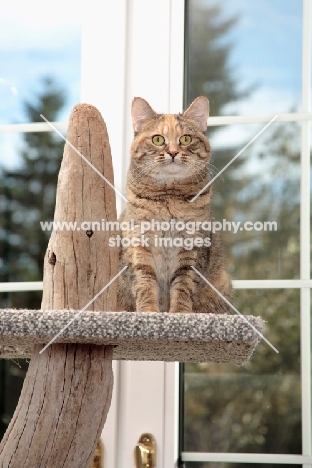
<point>169,165</point>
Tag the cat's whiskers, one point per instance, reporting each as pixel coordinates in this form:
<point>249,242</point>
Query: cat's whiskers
<point>153,166</point>
<point>203,168</point>
<point>139,174</point>
<point>190,164</point>
<point>147,168</point>
<point>194,172</point>
<point>199,169</point>
<point>214,171</point>
<point>163,161</point>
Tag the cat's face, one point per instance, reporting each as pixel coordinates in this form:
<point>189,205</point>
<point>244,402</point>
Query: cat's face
<point>170,147</point>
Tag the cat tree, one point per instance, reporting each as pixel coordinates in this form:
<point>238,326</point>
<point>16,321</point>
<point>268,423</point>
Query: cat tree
<point>67,390</point>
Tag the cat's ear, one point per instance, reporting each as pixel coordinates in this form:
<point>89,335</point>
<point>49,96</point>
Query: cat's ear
<point>199,112</point>
<point>141,112</point>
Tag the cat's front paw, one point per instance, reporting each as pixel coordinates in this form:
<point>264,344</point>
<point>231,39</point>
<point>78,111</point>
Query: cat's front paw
<point>148,309</point>
<point>180,310</point>
<point>147,304</point>
<point>180,304</point>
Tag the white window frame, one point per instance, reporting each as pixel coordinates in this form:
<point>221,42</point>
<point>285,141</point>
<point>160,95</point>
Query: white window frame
<point>120,41</point>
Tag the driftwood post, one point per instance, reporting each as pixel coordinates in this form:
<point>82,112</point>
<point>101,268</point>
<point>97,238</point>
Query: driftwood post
<point>67,390</point>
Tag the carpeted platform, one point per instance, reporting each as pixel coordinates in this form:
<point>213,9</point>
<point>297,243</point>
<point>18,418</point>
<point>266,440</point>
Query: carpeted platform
<point>136,336</point>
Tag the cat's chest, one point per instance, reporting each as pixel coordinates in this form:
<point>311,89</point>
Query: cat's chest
<point>166,261</point>
<point>172,209</point>
<point>165,265</point>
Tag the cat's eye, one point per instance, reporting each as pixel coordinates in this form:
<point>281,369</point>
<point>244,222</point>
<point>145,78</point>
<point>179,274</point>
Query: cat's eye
<point>185,140</point>
<point>158,140</point>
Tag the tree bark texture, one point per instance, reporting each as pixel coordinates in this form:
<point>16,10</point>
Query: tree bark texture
<point>67,390</point>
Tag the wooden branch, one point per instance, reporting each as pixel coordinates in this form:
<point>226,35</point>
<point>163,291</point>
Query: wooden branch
<point>67,390</point>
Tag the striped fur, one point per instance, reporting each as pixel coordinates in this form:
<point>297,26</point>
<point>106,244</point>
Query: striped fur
<point>161,182</point>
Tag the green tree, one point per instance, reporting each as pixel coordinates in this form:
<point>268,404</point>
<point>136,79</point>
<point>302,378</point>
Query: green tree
<point>27,196</point>
<point>255,408</point>
<point>208,71</point>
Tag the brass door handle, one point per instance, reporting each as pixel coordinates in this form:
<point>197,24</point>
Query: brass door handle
<point>98,456</point>
<point>145,452</point>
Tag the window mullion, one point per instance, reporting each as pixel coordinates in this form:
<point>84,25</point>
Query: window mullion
<point>33,127</point>
<point>305,235</point>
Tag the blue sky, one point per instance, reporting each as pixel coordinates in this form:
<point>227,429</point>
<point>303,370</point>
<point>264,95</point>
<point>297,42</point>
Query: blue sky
<point>266,52</point>
<point>37,39</point>
<point>267,42</point>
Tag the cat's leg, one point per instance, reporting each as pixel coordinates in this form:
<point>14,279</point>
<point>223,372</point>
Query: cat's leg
<point>182,285</point>
<point>207,300</point>
<point>144,287</point>
<point>125,299</point>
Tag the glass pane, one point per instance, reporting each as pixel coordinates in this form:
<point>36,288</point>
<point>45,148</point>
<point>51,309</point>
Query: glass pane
<point>263,184</point>
<point>12,374</point>
<point>245,56</point>
<point>27,196</point>
<point>21,300</point>
<point>255,408</point>
<point>257,198</point>
<point>37,44</point>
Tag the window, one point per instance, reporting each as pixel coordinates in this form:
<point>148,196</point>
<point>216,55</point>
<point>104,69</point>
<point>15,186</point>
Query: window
<point>253,61</point>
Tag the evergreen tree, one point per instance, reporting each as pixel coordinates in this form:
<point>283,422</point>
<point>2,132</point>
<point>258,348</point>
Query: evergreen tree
<point>207,70</point>
<point>256,408</point>
<point>28,196</point>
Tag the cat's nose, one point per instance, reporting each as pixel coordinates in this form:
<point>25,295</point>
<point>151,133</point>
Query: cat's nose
<point>172,153</point>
